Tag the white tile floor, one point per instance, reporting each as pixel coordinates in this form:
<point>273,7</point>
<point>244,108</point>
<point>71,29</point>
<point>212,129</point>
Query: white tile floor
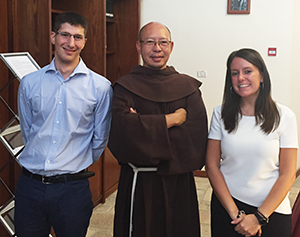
<point>101,223</point>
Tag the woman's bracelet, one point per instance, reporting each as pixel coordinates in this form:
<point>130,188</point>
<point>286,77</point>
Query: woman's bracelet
<point>262,219</point>
<point>240,213</point>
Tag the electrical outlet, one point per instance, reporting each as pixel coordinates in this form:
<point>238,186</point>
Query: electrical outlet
<point>202,74</point>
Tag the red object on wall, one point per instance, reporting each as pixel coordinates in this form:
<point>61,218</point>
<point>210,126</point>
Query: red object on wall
<point>272,51</point>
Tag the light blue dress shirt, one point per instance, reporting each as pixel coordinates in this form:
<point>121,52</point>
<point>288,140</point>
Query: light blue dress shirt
<point>65,123</point>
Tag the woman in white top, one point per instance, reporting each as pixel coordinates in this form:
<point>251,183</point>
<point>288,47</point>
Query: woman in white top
<point>251,154</point>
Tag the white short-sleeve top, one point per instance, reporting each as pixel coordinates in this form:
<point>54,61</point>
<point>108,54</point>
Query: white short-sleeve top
<point>250,158</point>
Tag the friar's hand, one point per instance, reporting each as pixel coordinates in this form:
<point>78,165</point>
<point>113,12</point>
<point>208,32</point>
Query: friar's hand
<point>177,118</point>
<point>132,111</point>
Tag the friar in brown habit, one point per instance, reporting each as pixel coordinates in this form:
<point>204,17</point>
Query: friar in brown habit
<point>158,135</point>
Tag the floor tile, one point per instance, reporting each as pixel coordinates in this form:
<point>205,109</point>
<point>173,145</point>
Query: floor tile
<point>101,223</point>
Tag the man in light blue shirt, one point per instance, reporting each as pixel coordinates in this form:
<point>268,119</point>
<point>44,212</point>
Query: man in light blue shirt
<point>65,117</point>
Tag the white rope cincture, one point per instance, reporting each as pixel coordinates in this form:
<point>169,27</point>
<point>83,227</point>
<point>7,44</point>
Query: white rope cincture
<point>135,171</point>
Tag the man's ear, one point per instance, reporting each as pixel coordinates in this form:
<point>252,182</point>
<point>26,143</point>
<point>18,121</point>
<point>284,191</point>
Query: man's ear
<point>52,37</point>
<point>138,46</point>
<point>84,43</point>
<point>172,45</point>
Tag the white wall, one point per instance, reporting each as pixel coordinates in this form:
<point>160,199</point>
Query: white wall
<point>204,36</point>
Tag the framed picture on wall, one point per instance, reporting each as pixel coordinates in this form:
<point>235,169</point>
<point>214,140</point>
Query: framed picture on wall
<point>238,7</point>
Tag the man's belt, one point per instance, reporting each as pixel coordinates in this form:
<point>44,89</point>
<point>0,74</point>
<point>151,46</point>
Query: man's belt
<point>84,174</point>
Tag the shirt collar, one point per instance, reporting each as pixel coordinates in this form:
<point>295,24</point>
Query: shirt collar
<point>80,69</point>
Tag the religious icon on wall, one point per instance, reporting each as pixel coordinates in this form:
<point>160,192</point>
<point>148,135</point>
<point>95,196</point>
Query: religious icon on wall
<point>238,7</point>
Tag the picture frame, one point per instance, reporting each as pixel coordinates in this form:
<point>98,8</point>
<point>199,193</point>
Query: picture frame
<point>238,6</point>
<point>20,63</point>
<point>7,215</point>
<point>11,137</point>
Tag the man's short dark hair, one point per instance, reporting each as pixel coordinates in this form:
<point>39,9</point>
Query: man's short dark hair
<point>73,18</point>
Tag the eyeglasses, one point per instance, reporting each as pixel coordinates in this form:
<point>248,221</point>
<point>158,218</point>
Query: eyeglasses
<point>67,36</point>
<point>162,43</point>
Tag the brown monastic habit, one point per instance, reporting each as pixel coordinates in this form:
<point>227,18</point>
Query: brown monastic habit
<point>165,202</point>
